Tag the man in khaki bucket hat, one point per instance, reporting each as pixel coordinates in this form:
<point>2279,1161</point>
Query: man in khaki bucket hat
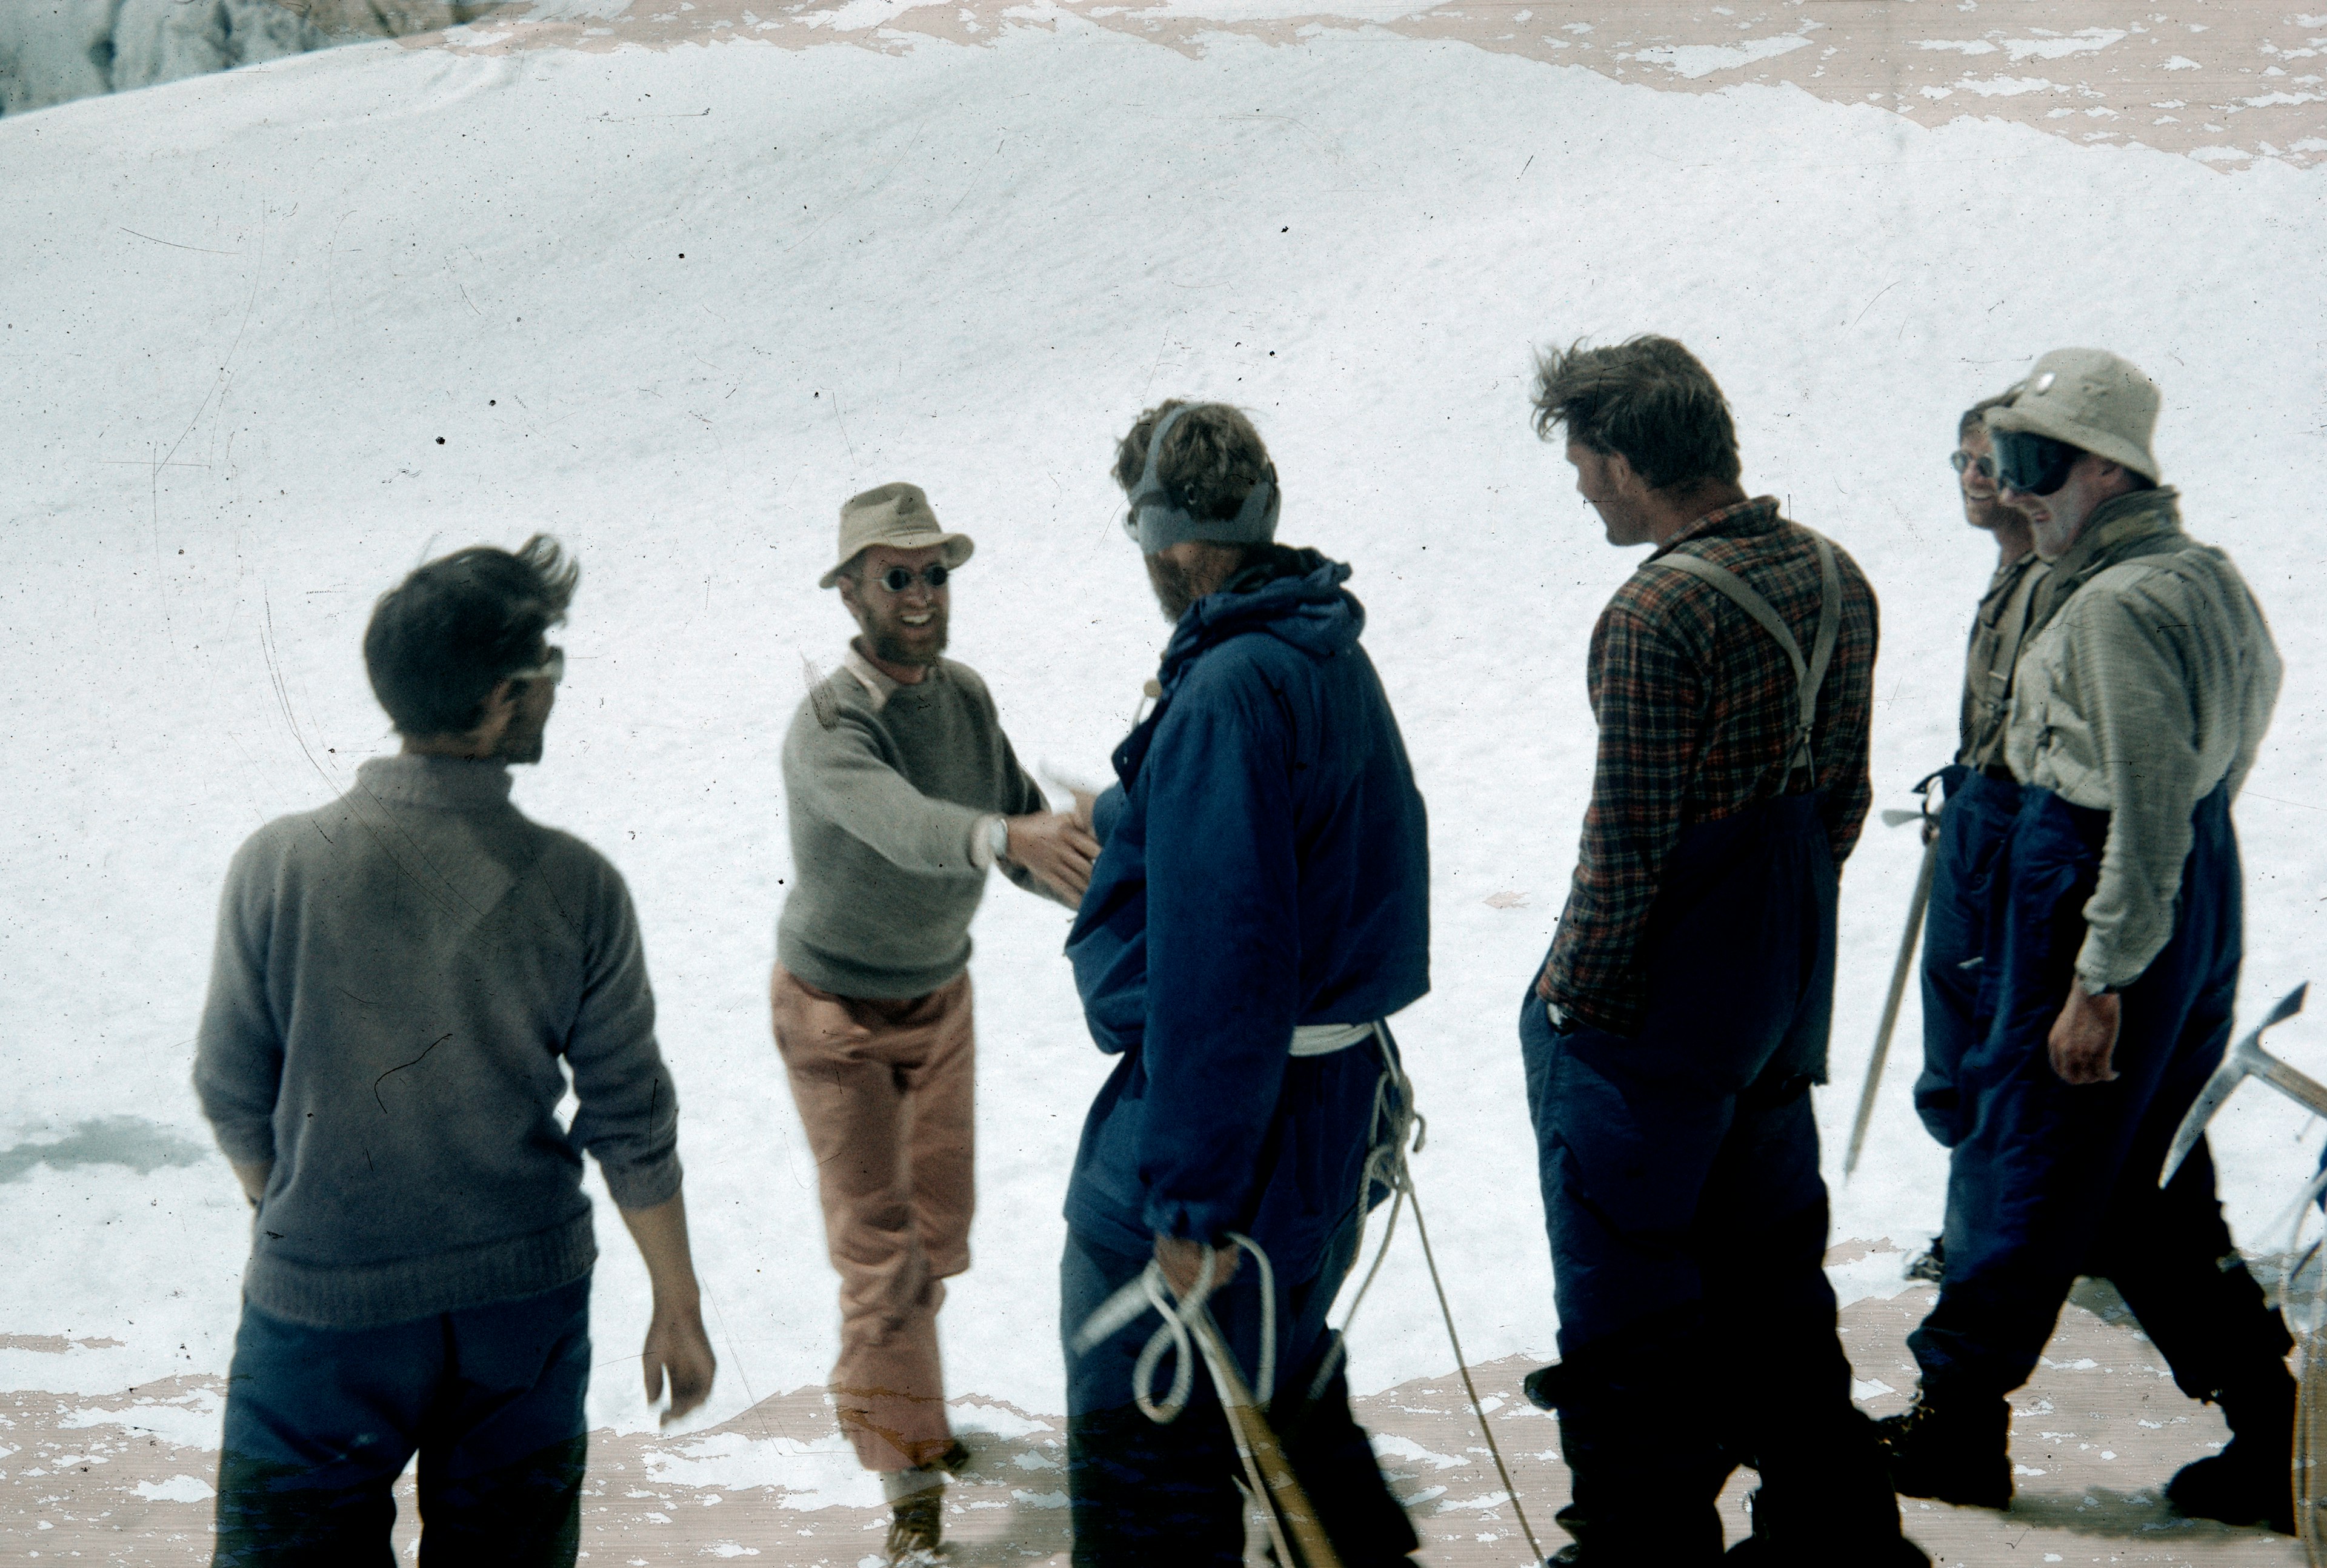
<point>902,791</point>
<point>2110,965</point>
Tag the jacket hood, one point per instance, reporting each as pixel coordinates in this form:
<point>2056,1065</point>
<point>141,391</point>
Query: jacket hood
<point>1294,595</point>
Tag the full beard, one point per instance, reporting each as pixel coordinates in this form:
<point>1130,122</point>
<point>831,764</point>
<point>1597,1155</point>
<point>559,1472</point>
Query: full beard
<point>891,644</point>
<point>1176,587</point>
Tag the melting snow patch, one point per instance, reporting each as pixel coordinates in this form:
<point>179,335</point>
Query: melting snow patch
<point>819,1474</point>
<point>1960,45</point>
<point>2005,85</point>
<point>1869,1388</point>
<point>1039,1499</point>
<point>1695,60</point>
<point>1407,1449</point>
<point>993,1418</point>
<point>2086,42</point>
<point>2180,62</point>
<point>190,1420</point>
<point>177,1489</point>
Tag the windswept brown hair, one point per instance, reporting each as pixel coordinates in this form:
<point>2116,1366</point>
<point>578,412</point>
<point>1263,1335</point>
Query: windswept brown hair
<point>441,640</point>
<point>1647,398</point>
<point>1971,419</point>
<point>1211,458</point>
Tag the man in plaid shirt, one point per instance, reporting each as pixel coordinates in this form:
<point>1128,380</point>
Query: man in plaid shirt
<point>1673,1035</point>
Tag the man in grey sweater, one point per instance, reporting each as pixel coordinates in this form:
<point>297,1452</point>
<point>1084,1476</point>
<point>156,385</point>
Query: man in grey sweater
<point>904,792</point>
<point>402,981</point>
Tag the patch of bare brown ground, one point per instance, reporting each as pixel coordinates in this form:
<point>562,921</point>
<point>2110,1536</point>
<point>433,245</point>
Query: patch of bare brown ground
<point>2095,1435</point>
<point>2227,82</point>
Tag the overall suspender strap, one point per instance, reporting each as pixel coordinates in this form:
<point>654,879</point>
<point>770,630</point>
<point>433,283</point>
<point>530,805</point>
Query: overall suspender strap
<point>1808,675</point>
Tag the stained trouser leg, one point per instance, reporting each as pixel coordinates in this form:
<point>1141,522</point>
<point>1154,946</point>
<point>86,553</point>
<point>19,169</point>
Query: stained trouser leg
<point>886,1384</point>
<point>504,1447</point>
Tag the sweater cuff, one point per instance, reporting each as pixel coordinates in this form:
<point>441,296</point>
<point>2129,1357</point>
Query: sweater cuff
<point>643,1186</point>
<point>245,1145</point>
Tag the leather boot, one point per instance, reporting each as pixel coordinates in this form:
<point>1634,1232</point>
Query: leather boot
<point>1952,1445</point>
<point>2252,1481</point>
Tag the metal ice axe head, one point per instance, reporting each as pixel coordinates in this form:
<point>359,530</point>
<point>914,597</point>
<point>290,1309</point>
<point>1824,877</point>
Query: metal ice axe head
<point>2245,1059</point>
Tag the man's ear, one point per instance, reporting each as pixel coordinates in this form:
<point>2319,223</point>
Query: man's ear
<point>500,713</point>
<point>1622,477</point>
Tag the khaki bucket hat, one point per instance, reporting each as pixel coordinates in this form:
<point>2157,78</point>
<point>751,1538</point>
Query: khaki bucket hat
<point>898,516</point>
<point>2092,399</point>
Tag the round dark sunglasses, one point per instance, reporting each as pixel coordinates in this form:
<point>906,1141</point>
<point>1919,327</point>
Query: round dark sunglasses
<point>1983,466</point>
<point>897,579</point>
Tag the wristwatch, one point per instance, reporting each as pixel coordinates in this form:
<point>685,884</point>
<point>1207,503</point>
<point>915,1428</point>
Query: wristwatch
<point>997,836</point>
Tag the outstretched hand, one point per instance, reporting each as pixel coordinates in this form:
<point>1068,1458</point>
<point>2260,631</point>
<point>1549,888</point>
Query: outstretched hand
<point>677,1351</point>
<point>2084,1037</point>
<point>1057,847</point>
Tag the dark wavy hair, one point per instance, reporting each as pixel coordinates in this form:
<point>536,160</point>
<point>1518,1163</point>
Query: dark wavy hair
<point>1972,416</point>
<point>441,639</point>
<point>1647,398</point>
<point>1211,458</point>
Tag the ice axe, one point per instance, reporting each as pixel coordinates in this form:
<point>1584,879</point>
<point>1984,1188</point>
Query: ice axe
<point>2246,1059</point>
<point>1899,970</point>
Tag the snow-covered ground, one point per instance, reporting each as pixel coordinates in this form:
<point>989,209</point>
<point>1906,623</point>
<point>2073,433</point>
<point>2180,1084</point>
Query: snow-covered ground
<point>268,340</point>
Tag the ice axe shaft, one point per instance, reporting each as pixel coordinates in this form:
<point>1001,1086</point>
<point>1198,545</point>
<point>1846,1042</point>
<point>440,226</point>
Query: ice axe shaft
<point>1898,972</point>
<point>2243,1060</point>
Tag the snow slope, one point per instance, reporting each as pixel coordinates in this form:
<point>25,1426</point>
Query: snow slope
<point>269,338</point>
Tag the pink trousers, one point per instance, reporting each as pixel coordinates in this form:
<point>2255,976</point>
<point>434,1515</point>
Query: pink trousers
<point>884,1089</point>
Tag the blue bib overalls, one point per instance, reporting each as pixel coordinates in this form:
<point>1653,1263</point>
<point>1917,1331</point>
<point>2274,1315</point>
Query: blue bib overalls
<point>2048,1180</point>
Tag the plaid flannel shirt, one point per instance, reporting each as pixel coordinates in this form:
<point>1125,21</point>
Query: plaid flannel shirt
<point>1697,707</point>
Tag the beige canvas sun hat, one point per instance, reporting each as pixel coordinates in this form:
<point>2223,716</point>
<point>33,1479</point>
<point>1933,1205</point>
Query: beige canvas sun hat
<point>898,516</point>
<point>2092,399</point>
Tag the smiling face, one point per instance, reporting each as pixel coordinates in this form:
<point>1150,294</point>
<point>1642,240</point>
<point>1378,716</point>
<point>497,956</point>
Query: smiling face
<point>902,626</point>
<point>1985,507</point>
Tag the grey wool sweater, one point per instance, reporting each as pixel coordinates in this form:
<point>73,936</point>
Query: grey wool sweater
<point>889,788</point>
<point>399,979</point>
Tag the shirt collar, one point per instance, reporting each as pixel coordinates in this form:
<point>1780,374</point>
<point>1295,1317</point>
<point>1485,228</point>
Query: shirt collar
<point>1743,520</point>
<point>440,783</point>
<point>2119,521</point>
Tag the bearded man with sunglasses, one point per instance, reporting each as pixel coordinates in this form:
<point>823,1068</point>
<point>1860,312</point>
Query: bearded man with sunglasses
<point>903,792</point>
<point>2109,967</point>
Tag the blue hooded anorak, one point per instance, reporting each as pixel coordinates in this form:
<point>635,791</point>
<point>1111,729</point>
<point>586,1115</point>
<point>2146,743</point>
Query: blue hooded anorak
<point>1265,864</point>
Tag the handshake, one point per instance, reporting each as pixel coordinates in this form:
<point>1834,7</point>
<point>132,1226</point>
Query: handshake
<point>1057,847</point>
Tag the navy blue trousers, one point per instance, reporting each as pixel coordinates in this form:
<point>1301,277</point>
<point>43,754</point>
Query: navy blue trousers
<point>1687,1219</point>
<point>1974,824</point>
<point>1144,1494</point>
<point>321,1422</point>
<point>2049,1181</point>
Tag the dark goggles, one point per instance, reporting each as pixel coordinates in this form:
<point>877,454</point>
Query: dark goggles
<point>2033,464</point>
<point>897,579</point>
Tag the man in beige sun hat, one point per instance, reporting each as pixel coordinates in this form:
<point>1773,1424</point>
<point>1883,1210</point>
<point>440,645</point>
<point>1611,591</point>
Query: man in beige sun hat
<point>2109,967</point>
<point>903,791</point>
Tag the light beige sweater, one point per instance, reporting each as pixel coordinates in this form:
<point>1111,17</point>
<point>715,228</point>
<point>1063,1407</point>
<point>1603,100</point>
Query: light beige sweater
<point>2150,686</point>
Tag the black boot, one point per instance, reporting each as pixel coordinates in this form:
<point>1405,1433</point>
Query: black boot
<point>1951,1445</point>
<point>2252,1481</point>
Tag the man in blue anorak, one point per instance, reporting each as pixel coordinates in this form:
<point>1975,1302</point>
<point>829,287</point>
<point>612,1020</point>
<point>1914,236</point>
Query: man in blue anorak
<point>1260,905</point>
